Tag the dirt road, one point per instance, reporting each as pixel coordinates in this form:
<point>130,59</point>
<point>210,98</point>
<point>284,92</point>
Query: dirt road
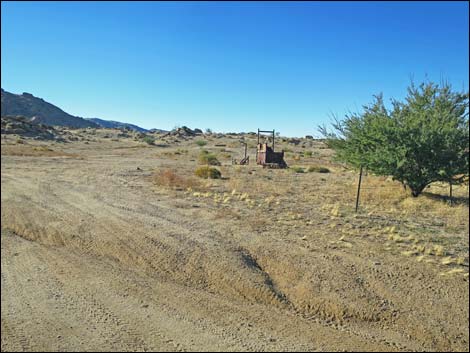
<point>95,257</point>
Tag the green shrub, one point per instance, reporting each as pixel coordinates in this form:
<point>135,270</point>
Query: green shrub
<point>308,153</point>
<point>149,140</point>
<point>208,158</point>
<point>208,172</point>
<point>201,143</point>
<point>298,169</point>
<point>318,169</point>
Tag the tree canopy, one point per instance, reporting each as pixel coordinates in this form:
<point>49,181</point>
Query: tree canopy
<point>420,140</point>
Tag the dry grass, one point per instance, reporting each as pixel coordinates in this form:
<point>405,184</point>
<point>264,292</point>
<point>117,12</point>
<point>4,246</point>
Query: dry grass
<point>35,151</point>
<point>427,227</point>
<point>170,179</point>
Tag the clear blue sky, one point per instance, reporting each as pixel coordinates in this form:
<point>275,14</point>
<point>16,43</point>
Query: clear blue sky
<point>228,66</point>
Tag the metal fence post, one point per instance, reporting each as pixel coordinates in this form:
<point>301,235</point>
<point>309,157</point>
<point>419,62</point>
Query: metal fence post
<point>358,189</point>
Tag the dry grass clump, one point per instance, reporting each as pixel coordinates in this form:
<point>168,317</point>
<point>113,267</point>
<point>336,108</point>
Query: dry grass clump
<point>455,217</point>
<point>226,155</point>
<point>417,204</point>
<point>308,153</point>
<point>381,192</point>
<point>208,158</point>
<point>181,151</point>
<point>169,178</point>
<point>207,172</point>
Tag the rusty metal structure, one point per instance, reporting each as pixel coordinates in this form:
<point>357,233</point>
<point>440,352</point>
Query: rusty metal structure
<point>266,156</point>
<point>246,159</point>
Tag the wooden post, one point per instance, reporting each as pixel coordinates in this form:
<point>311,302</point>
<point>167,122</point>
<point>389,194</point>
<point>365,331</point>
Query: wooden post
<point>358,189</point>
<point>273,140</point>
<point>450,192</point>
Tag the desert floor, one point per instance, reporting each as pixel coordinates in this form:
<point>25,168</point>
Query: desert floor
<point>98,252</point>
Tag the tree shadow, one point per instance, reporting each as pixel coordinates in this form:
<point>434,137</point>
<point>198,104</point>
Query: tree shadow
<point>456,200</point>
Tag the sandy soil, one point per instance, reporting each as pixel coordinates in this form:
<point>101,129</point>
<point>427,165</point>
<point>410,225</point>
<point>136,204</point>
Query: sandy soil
<point>95,256</point>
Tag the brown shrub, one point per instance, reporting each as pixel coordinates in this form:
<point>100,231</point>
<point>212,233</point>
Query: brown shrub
<point>208,172</point>
<point>169,178</point>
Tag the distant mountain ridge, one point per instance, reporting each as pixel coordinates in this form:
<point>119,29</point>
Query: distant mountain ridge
<point>111,124</point>
<point>39,111</point>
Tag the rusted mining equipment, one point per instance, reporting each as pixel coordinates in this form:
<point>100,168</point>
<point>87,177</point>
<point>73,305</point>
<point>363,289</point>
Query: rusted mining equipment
<point>266,156</point>
<point>246,159</point>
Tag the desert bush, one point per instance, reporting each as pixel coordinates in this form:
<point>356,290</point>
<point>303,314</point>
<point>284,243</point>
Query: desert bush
<point>148,140</point>
<point>308,153</point>
<point>201,143</point>
<point>207,172</point>
<point>207,158</point>
<point>318,169</point>
<point>181,151</point>
<point>169,178</point>
<point>298,169</point>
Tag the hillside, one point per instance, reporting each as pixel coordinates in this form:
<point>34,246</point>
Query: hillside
<point>39,111</point>
<point>111,124</point>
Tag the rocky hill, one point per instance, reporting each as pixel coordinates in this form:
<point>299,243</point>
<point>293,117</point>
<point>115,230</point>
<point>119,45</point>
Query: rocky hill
<point>110,124</point>
<point>23,127</point>
<point>39,111</point>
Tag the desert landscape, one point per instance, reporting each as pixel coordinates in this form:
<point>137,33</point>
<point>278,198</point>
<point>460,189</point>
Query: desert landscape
<point>110,242</point>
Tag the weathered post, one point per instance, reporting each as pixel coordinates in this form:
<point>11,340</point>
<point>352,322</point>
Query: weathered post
<point>273,140</point>
<point>358,188</point>
<point>450,193</point>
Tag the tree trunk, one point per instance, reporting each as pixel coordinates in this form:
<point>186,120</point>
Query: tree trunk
<point>416,190</point>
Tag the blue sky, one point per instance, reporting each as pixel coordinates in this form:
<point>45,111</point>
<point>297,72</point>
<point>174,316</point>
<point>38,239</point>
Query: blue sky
<point>228,66</point>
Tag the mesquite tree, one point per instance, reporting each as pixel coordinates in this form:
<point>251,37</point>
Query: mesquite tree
<point>418,141</point>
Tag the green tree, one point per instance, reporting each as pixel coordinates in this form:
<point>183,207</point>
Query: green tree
<point>418,141</point>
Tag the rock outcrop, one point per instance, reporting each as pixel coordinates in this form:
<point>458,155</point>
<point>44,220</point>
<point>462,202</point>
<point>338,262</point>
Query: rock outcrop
<point>38,111</point>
